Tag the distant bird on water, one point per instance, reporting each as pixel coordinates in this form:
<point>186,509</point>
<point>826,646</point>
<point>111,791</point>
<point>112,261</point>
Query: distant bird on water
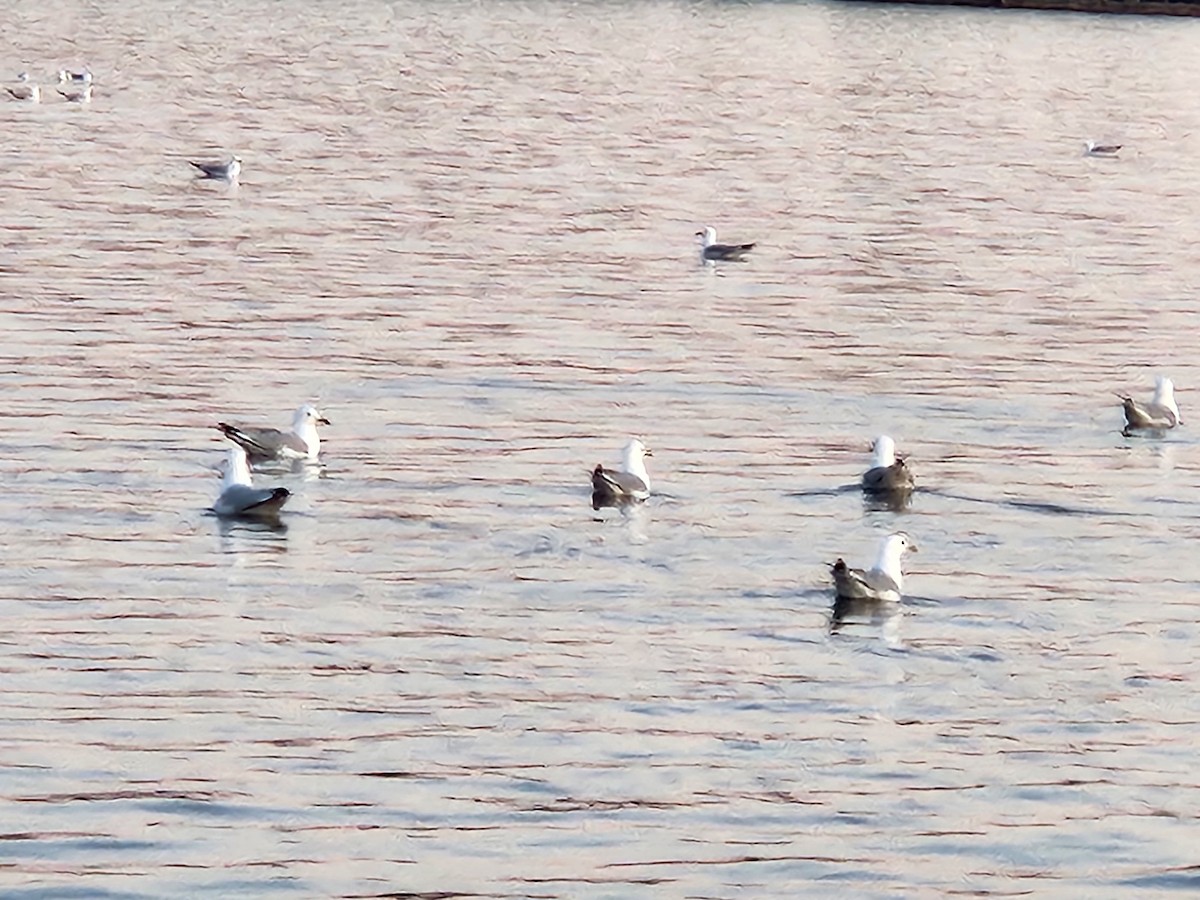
<point>712,252</point>
<point>23,90</point>
<point>240,499</point>
<point>880,583</point>
<point>220,170</point>
<point>1095,149</point>
<point>611,487</point>
<point>67,76</point>
<point>78,94</point>
<point>263,444</point>
<point>888,473</point>
<point>1160,414</point>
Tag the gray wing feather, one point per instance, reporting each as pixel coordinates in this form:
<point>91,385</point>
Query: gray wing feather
<point>1151,415</point>
<point>243,500</point>
<point>264,443</point>
<point>895,477</point>
<point>624,483</point>
<point>730,252</point>
<point>612,488</point>
<point>212,169</point>
<point>856,584</point>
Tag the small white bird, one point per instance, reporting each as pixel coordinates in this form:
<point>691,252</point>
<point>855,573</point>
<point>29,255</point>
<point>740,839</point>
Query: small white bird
<point>239,498</point>
<point>219,170</point>
<point>1160,414</point>
<point>302,442</point>
<point>620,488</point>
<point>883,582</point>
<point>67,76</point>
<point>888,473</point>
<point>1095,149</point>
<point>78,94</point>
<point>712,252</point>
<point>25,90</point>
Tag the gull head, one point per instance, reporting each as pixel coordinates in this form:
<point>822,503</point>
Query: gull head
<point>636,449</point>
<point>708,236</point>
<point>310,415</point>
<point>885,452</point>
<point>890,554</point>
<point>1164,395</point>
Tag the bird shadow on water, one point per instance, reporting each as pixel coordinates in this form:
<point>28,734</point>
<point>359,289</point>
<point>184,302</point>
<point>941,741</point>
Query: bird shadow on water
<point>902,502</point>
<point>880,501</point>
<point>884,615</point>
<point>634,516</point>
<point>268,528</point>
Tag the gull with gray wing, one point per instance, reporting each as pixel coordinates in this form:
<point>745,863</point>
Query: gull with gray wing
<point>261,444</point>
<point>1160,414</point>
<point>24,90</point>
<point>239,498</point>
<point>888,473</point>
<point>612,487</point>
<point>220,169</point>
<point>711,252</point>
<point>882,582</point>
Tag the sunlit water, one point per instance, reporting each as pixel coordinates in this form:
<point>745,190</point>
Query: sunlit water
<point>466,231</point>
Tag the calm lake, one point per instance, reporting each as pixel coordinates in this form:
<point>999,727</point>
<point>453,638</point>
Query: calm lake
<point>465,231</point>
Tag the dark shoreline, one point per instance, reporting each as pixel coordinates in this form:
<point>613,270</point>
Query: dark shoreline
<point>1123,7</point>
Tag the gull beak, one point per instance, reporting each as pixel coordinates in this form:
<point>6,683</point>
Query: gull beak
<point>648,452</point>
<point>323,421</point>
<point>912,545</point>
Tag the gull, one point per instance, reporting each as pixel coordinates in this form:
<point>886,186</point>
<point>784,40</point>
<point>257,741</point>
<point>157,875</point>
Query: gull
<point>1094,149</point>
<point>302,442</point>
<point>1159,414</point>
<point>712,252</point>
<point>78,94</point>
<point>23,90</point>
<point>67,76</point>
<point>221,170</point>
<point>882,582</point>
<point>888,473</point>
<point>239,498</point>
<point>621,488</point>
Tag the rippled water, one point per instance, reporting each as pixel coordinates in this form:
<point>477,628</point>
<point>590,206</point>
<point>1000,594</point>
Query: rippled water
<point>466,231</point>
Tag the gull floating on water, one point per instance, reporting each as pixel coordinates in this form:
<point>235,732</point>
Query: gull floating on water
<point>302,442</point>
<point>711,251</point>
<point>1159,414</point>
<point>888,473</point>
<point>67,76</point>
<point>221,170</point>
<point>24,90</point>
<point>1095,149</point>
<point>880,583</point>
<point>78,94</point>
<point>239,498</point>
<point>621,488</point>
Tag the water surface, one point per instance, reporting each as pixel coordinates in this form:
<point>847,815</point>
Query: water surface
<point>466,231</point>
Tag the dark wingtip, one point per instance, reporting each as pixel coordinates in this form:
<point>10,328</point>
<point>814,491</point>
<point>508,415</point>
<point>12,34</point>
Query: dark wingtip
<point>280,493</point>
